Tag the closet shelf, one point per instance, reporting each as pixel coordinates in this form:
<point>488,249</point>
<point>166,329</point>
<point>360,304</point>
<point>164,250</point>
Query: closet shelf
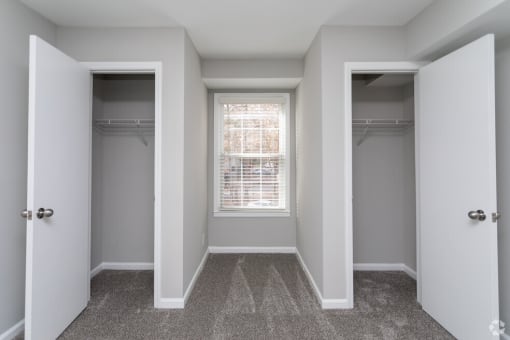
<point>124,125</point>
<point>379,127</point>
<point>382,123</point>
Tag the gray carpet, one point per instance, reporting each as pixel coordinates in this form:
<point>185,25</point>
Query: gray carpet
<point>253,297</point>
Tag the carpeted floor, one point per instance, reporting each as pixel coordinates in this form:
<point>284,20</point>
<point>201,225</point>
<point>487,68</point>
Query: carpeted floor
<point>253,297</point>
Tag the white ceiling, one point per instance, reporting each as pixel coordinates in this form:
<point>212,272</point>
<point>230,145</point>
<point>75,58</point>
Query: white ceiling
<point>234,28</point>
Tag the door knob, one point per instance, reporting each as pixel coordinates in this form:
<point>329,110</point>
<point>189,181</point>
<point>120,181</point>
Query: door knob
<point>477,215</point>
<point>25,213</point>
<point>41,213</point>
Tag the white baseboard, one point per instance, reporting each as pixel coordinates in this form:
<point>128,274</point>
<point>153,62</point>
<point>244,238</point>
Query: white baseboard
<point>325,303</point>
<point>310,277</point>
<point>252,250</point>
<point>96,270</point>
<point>12,332</point>
<point>171,303</point>
<point>409,271</point>
<point>180,303</point>
<point>128,266</point>
<point>195,277</point>
<point>335,304</point>
<point>121,266</point>
<point>380,267</point>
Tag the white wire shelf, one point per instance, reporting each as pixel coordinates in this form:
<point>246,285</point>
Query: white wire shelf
<point>366,127</point>
<point>145,126</point>
<point>382,123</point>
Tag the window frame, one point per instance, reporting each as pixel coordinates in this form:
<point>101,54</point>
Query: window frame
<point>218,141</point>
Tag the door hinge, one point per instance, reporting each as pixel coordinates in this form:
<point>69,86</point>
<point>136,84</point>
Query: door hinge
<point>495,216</point>
<point>25,213</point>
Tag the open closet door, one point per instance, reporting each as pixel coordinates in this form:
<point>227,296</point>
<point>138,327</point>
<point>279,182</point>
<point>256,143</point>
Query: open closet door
<point>457,191</point>
<point>59,126</point>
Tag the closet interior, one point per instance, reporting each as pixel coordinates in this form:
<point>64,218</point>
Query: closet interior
<point>122,171</point>
<point>383,161</point>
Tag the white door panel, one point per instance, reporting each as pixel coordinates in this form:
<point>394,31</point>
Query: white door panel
<point>459,281</point>
<point>58,178</point>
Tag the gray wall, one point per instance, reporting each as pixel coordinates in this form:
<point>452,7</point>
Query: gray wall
<point>16,23</point>
<point>195,163</point>
<point>96,226</point>
<point>123,174</point>
<point>252,68</point>
<point>378,102</point>
<point>167,46</point>
<point>249,74</point>
<point>384,227</point>
<point>309,238</point>
<point>252,231</point>
<point>442,22</point>
<point>340,45</point>
<point>124,96</point>
<point>127,212</point>
<point>96,222</point>
<point>503,163</point>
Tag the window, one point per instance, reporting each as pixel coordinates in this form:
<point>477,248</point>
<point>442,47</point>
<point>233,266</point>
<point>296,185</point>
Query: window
<point>251,165</point>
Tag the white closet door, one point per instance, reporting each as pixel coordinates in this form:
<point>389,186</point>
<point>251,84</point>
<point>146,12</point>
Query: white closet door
<point>457,164</point>
<point>58,179</point>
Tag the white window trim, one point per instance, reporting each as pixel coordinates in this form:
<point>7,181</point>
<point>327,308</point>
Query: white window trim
<point>218,133</point>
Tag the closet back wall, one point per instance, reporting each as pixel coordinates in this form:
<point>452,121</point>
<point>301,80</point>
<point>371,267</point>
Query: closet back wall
<point>384,179</point>
<point>123,174</point>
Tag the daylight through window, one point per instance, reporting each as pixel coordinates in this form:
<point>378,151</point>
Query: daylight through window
<point>251,148</point>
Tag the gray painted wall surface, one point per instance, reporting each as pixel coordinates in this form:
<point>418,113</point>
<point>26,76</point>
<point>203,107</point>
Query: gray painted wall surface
<point>443,22</point>
<point>16,23</point>
<point>96,223</point>
<point>252,68</point>
<point>382,228</point>
<point>309,239</point>
<point>409,201</point>
<point>127,212</point>
<point>252,231</point>
<point>124,96</point>
<point>96,242</point>
<point>340,45</point>
<point>384,213</point>
<point>167,46</point>
<point>195,164</point>
<point>123,175</point>
<point>503,163</point>
<point>377,102</point>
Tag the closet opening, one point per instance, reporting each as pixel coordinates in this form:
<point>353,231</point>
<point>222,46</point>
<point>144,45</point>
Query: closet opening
<point>122,245</point>
<point>383,187</point>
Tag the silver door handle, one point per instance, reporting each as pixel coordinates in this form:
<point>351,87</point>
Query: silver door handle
<point>25,213</point>
<point>477,215</point>
<point>41,213</point>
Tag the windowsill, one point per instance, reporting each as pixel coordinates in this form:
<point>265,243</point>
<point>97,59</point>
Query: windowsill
<point>256,213</point>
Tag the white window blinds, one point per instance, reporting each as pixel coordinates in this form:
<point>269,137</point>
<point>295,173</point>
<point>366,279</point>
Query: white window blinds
<point>251,152</point>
